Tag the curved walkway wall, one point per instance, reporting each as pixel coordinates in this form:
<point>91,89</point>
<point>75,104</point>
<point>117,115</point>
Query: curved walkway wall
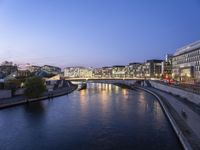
<point>192,97</point>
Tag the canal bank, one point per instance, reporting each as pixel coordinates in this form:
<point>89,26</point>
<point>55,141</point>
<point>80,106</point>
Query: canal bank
<point>181,136</point>
<point>191,96</point>
<point>100,117</point>
<point>186,132</point>
<point>48,95</point>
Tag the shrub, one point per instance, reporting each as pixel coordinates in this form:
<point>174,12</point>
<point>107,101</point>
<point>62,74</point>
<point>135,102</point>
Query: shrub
<point>34,87</point>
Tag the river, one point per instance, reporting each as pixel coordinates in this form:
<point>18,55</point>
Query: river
<point>102,117</point>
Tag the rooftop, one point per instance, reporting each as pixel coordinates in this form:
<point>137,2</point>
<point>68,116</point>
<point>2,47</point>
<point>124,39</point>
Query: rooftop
<point>154,60</point>
<point>119,66</point>
<point>135,63</point>
<point>188,48</point>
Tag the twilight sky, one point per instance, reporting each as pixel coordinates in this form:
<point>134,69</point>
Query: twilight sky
<point>95,32</point>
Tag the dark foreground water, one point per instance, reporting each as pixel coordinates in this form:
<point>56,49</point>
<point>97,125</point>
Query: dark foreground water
<point>103,117</point>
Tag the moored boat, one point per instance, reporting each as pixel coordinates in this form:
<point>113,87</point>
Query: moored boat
<point>82,86</point>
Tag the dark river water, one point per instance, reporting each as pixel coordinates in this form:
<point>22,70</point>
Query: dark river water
<point>103,117</point>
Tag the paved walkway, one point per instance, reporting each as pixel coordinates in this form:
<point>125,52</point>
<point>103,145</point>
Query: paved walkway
<point>22,99</point>
<point>187,118</point>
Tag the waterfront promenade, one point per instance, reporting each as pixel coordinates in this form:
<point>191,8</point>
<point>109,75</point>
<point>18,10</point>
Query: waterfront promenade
<point>185,114</point>
<point>8,102</point>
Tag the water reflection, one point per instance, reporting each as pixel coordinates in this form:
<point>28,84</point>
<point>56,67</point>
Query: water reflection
<point>83,104</point>
<point>116,89</point>
<point>125,93</point>
<point>35,107</point>
<point>101,117</point>
<point>34,113</point>
<point>142,104</point>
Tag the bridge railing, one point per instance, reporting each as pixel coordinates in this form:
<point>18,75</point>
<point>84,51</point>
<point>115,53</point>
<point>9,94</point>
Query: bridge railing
<point>127,81</point>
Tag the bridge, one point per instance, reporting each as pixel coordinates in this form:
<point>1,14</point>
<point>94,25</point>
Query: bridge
<point>126,81</point>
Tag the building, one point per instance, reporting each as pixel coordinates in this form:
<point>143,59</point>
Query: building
<point>72,72</point>
<point>7,68</point>
<point>18,74</point>
<point>7,63</point>
<point>56,82</point>
<point>86,72</point>
<point>23,73</point>
<point>186,63</point>
<point>104,72</point>
<point>139,72</point>
<point>167,66</point>
<point>132,70</point>
<point>33,68</point>
<point>78,72</point>
<point>118,71</point>
<point>43,74</point>
<point>152,68</point>
<point>56,77</point>
<point>107,72</point>
<point>51,69</point>
<point>97,73</point>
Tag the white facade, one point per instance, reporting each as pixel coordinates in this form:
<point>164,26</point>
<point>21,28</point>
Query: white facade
<point>119,71</point>
<point>78,72</point>
<point>186,63</point>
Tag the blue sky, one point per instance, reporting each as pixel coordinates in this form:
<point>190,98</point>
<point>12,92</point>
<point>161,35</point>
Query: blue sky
<point>95,32</point>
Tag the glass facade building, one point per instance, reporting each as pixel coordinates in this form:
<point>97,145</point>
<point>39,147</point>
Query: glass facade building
<point>186,63</point>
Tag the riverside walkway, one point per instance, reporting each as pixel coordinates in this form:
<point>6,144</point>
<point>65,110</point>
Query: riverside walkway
<point>8,102</point>
<point>185,114</point>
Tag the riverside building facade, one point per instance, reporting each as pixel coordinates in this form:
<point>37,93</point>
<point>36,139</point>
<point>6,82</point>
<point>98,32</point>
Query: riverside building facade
<point>119,71</point>
<point>167,67</point>
<point>78,72</point>
<point>186,63</point>
<point>51,69</point>
<point>153,68</point>
<point>132,69</point>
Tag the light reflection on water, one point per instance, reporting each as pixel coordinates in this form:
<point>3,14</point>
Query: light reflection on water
<point>102,117</point>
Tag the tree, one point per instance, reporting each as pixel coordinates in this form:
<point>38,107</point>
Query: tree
<point>12,85</point>
<point>34,87</point>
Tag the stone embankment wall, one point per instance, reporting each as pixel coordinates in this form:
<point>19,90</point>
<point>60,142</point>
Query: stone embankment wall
<point>186,145</point>
<point>19,92</point>
<point>5,94</point>
<point>192,97</point>
<point>23,100</point>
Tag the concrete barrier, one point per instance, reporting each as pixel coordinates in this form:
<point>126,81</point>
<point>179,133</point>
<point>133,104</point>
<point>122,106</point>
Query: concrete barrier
<point>5,94</point>
<point>192,97</point>
<point>186,145</point>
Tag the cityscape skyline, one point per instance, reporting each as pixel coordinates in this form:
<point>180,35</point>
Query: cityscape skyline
<point>24,65</point>
<point>99,74</point>
<point>67,33</point>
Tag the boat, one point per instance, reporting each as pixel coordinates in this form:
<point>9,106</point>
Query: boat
<point>82,86</point>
